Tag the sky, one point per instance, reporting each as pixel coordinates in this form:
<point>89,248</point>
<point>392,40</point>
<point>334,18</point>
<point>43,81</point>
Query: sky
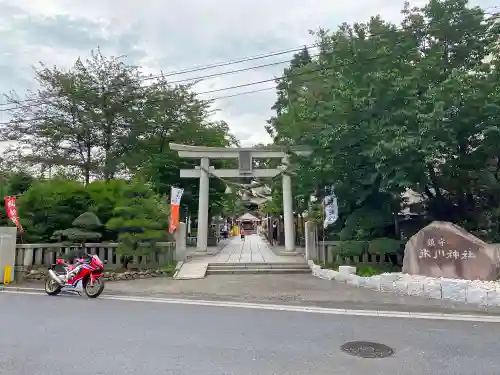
<point>172,35</point>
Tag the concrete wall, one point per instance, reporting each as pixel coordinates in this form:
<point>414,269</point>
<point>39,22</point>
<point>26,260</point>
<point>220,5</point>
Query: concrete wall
<point>7,250</point>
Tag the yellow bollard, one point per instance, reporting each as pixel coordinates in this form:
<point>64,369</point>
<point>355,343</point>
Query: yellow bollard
<point>7,275</point>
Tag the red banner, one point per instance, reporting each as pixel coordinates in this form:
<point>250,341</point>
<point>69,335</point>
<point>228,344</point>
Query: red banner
<point>12,214</point>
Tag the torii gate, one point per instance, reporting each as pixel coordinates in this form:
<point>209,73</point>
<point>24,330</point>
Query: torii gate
<point>245,157</point>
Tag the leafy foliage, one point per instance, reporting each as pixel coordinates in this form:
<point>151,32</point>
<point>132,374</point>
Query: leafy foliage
<point>99,122</point>
<point>141,219</point>
<point>384,245</point>
<point>387,108</point>
<point>84,230</point>
<point>351,248</point>
<point>48,206</point>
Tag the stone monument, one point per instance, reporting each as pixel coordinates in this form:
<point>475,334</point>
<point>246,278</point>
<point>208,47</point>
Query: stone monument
<point>443,249</point>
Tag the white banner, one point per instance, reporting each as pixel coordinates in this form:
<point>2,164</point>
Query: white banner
<point>175,196</point>
<point>331,208</point>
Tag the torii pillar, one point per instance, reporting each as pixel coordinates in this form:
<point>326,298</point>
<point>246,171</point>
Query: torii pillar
<point>202,241</point>
<point>245,157</point>
<point>288,210</point>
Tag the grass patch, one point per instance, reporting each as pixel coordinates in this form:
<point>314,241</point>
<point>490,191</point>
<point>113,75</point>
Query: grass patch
<point>169,268</point>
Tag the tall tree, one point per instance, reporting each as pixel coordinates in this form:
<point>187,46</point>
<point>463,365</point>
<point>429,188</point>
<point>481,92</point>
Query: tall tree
<point>409,106</point>
<point>78,118</point>
<point>282,127</point>
<point>174,113</point>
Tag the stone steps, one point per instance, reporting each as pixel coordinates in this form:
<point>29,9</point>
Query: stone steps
<point>256,268</point>
<point>262,264</point>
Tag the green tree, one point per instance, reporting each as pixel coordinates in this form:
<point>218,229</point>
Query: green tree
<point>98,120</point>
<point>104,198</point>
<point>87,115</point>
<point>85,228</point>
<point>396,107</point>
<point>19,182</point>
<point>174,113</point>
<point>48,206</point>
<point>141,220</point>
<point>289,88</point>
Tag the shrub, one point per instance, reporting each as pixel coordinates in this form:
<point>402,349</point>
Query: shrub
<point>351,248</point>
<point>85,229</point>
<point>384,245</point>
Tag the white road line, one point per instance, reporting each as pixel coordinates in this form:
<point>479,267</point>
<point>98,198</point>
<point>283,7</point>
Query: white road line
<point>289,308</point>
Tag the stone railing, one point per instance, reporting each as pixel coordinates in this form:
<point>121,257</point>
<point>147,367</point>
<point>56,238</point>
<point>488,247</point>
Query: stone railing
<point>329,255</point>
<point>35,255</point>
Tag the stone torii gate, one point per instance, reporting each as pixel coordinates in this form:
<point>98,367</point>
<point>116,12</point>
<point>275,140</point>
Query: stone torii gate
<point>245,157</point>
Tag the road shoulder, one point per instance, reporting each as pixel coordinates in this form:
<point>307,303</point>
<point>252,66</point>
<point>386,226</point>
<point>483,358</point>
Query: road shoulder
<point>296,290</point>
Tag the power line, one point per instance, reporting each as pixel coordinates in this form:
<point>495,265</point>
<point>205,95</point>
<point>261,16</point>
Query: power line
<point>193,80</point>
<point>226,63</point>
<point>248,84</point>
<point>242,60</point>
<point>495,16</point>
<point>207,67</point>
<point>244,93</point>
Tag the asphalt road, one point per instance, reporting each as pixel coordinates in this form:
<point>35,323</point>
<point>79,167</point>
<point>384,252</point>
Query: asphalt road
<point>73,335</point>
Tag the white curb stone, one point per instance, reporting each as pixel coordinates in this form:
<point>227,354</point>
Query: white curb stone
<point>454,290</point>
<point>401,287</point>
<point>387,281</point>
<point>363,282</point>
<point>432,289</point>
<point>316,270</point>
<point>373,283</point>
<point>340,277</point>
<point>493,298</point>
<point>415,288</point>
<point>386,285</point>
<point>324,274</point>
<point>483,293</point>
<point>353,280</point>
<point>332,274</point>
<point>477,295</point>
<point>347,270</point>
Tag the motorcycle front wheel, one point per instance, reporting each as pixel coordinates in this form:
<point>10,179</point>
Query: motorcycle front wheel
<point>52,287</point>
<point>94,290</point>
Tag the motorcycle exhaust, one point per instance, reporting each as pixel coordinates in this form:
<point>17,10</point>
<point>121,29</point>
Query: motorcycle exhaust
<point>55,277</point>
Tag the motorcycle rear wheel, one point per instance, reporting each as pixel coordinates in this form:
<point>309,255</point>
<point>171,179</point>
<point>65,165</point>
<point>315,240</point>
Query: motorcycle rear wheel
<point>94,290</point>
<point>52,287</point>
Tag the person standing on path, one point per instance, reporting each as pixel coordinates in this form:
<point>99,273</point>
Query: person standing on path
<point>225,231</point>
<point>275,234</point>
<point>242,233</point>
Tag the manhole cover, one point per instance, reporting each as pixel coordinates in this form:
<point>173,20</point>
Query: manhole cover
<point>366,349</point>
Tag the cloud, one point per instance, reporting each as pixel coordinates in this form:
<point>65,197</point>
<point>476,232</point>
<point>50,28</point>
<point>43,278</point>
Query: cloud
<point>170,35</point>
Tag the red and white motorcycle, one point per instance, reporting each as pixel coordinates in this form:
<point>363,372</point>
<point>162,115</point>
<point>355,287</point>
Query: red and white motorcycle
<point>87,274</point>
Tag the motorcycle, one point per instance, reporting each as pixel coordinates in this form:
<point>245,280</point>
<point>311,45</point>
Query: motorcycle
<point>89,278</point>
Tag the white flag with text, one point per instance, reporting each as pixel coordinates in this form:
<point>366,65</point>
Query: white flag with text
<point>331,208</point>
